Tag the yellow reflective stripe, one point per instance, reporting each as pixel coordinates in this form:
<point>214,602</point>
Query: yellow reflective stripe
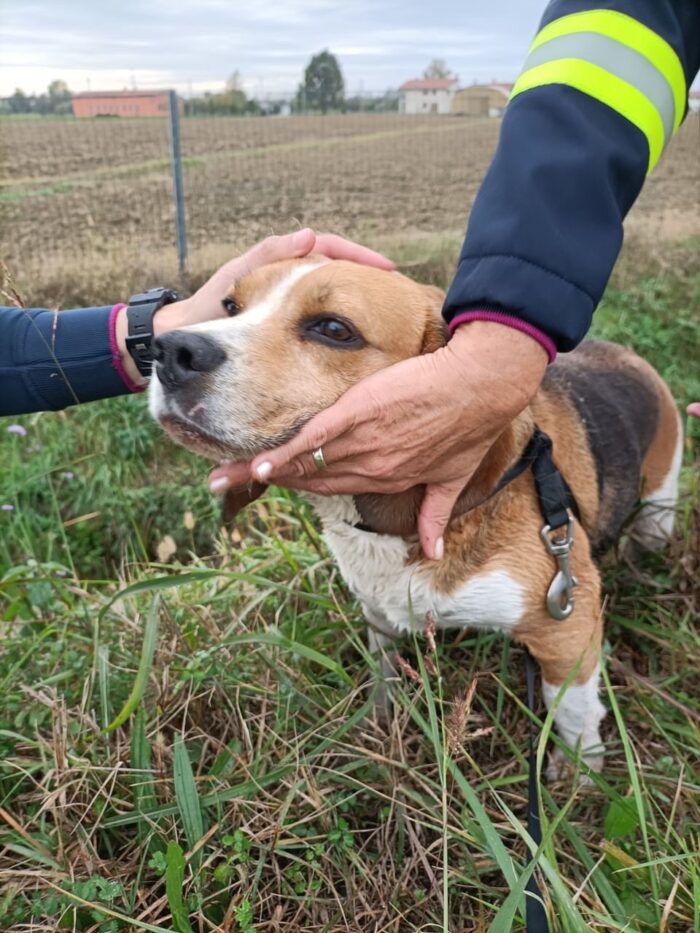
<point>605,87</point>
<point>630,32</point>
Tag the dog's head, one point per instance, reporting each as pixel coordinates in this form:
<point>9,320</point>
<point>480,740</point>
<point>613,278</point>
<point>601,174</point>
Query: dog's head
<point>300,333</point>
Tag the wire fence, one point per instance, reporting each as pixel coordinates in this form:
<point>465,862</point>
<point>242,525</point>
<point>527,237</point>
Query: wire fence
<point>83,194</point>
<point>80,192</point>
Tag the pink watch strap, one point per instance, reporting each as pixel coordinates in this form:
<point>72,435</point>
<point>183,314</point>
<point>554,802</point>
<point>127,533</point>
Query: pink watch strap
<point>116,355</point>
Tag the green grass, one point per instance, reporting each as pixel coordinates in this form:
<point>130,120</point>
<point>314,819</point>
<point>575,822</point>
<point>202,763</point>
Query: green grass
<point>242,782</point>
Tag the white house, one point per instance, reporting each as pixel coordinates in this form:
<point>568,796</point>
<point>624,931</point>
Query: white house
<point>427,95</point>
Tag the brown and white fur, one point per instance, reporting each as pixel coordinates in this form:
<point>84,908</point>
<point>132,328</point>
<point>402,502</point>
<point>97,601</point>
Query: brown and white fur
<point>616,438</point>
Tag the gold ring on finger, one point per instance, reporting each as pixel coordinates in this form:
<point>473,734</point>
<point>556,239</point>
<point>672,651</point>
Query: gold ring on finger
<point>319,459</point>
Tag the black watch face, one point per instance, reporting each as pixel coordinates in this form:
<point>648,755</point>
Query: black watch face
<point>157,296</point>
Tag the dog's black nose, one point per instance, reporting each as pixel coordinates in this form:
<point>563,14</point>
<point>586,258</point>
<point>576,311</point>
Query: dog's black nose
<point>181,356</point>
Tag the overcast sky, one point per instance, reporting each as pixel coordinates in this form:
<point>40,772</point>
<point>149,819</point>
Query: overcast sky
<point>195,46</point>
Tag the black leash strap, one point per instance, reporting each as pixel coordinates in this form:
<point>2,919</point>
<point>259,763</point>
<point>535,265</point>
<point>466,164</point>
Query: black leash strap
<point>535,913</point>
<point>553,492</point>
<point>555,498</point>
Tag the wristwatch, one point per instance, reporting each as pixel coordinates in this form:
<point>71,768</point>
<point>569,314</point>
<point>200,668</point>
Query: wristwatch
<point>139,318</point>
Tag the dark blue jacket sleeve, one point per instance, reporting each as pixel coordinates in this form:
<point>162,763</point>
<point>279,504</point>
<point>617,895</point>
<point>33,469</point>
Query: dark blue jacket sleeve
<point>546,226</point>
<point>49,360</point>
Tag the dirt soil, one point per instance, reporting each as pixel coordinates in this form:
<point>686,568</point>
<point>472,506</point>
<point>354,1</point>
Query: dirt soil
<point>71,191</point>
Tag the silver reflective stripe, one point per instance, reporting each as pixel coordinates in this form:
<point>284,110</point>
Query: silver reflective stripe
<point>617,58</point>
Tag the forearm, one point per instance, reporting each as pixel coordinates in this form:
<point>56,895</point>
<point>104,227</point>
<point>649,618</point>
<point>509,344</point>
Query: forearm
<point>546,227</point>
<point>50,359</point>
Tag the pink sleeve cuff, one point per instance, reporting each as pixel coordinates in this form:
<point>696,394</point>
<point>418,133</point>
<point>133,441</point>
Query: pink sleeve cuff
<point>500,317</point>
<point>116,355</point>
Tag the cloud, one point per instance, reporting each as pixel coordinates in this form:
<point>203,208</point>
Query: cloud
<point>280,12</point>
<point>361,50</point>
<point>197,45</point>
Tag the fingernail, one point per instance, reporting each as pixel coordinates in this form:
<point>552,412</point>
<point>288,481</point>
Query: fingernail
<point>300,237</point>
<point>439,549</point>
<point>218,485</point>
<point>263,471</point>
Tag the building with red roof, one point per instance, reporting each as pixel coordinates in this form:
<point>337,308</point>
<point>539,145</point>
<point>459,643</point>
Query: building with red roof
<point>427,95</point>
<point>121,104</point>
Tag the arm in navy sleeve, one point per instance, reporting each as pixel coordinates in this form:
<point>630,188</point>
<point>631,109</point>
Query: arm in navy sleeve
<point>546,227</point>
<point>50,360</point>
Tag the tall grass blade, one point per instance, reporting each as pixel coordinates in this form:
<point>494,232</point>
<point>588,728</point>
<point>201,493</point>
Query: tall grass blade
<point>103,678</point>
<point>174,878</point>
<point>637,794</point>
<point>145,798</point>
<point>505,918</point>
<point>147,651</point>
<point>493,841</point>
<point>187,799</point>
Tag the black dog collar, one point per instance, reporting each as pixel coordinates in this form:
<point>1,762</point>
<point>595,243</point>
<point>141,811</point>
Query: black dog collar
<point>553,492</point>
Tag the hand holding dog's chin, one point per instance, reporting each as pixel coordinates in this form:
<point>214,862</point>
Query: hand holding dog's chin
<point>427,420</point>
<point>502,370</point>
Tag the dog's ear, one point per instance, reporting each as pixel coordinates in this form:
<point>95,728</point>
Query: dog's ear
<point>435,334</point>
<point>236,500</point>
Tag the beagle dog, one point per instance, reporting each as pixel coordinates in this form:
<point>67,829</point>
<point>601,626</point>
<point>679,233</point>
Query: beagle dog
<point>301,332</point>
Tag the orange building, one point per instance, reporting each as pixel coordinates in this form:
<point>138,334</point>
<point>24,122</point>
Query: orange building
<point>122,104</point>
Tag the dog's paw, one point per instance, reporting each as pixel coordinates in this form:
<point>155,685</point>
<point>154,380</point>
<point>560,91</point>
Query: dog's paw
<point>561,768</point>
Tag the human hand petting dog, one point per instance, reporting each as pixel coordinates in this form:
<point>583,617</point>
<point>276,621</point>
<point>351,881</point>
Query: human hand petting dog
<point>205,304</point>
<point>427,420</point>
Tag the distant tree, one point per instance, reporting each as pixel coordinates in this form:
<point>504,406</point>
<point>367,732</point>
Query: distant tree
<point>58,90</point>
<point>323,87</point>
<point>19,102</point>
<point>235,82</point>
<point>438,69</point>
<point>63,107</point>
<point>57,100</point>
<point>231,102</point>
<point>42,104</point>
<point>365,103</point>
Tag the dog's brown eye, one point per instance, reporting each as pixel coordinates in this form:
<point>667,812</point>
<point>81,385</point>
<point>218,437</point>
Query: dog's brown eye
<point>230,306</point>
<point>334,331</point>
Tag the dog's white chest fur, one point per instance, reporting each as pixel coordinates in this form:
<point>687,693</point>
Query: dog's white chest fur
<point>396,595</point>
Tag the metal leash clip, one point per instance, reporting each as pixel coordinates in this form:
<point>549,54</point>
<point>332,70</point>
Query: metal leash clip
<point>560,595</point>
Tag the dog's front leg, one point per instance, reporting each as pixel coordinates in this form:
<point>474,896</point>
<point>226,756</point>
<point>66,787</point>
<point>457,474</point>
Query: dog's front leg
<point>578,715</point>
<point>379,643</point>
<point>573,644</point>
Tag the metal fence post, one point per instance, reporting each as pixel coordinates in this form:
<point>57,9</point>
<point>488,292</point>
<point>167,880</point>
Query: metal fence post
<point>178,190</point>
